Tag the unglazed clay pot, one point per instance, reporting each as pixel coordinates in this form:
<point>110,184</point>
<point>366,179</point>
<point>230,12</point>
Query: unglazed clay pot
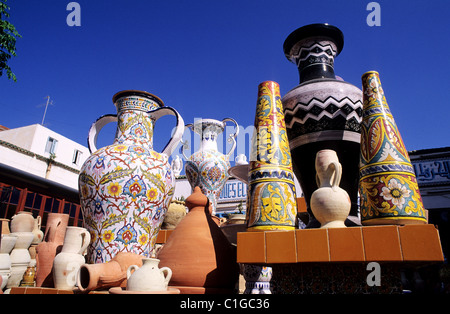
<point>148,277</point>
<point>109,274</point>
<point>322,112</point>
<point>198,253</point>
<point>38,233</point>
<point>329,203</point>
<point>22,222</point>
<point>126,187</point>
<point>67,263</point>
<point>47,250</point>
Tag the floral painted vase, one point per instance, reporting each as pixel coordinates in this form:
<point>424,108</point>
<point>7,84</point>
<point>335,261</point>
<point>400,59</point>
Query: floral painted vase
<point>208,168</point>
<point>388,185</point>
<point>322,112</point>
<point>271,197</point>
<point>126,187</point>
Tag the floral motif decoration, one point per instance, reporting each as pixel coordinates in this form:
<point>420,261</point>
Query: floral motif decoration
<point>125,190</point>
<point>388,186</point>
<point>271,205</point>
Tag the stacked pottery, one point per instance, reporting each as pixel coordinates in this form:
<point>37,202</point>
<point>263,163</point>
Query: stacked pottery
<point>67,263</point>
<point>388,185</point>
<point>323,112</point>
<point>47,250</point>
<point>271,197</point>
<point>8,241</point>
<point>126,187</point>
<point>329,203</point>
<point>208,168</point>
<point>201,258</point>
<point>20,257</point>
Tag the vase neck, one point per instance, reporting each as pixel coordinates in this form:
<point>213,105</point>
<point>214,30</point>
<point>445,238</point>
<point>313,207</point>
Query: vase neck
<point>134,127</point>
<point>314,58</point>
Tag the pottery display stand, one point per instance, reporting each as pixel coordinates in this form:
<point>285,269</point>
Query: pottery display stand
<point>337,260</point>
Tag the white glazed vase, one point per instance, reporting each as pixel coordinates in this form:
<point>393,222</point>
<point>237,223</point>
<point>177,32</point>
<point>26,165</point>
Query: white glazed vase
<point>149,277</point>
<point>20,257</point>
<point>329,203</point>
<point>22,222</point>
<point>207,168</point>
<point>67,263</point>
<point>8,241</point>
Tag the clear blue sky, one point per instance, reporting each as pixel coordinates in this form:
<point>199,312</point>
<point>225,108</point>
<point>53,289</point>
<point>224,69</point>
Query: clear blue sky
<point>206,58</point>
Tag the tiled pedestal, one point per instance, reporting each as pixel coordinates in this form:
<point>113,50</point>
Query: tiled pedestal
<point>335,260</point>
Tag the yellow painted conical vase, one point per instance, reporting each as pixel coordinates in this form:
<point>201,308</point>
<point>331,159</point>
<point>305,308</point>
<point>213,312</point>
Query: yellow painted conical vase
<point>388,186</point>
<point>271,197</point>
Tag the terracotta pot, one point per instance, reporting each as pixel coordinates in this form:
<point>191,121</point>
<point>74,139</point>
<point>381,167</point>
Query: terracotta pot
<point>106,275</point>
<point>197,251</point>
<point>329,203</point>
<point>49,248</point>
<point>22,222</point>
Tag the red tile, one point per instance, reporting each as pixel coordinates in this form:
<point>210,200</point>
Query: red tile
<point>312,245</point>
<point>280,247</point>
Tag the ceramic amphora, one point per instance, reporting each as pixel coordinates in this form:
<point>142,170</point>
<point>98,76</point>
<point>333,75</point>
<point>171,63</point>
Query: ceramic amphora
<point>126,187</point>
<point>67,263</point>
<point>207,167</point>
<point>329,203</point>
<point>148,277</point>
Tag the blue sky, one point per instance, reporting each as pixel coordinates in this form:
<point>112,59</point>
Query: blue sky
<point>206,59</point>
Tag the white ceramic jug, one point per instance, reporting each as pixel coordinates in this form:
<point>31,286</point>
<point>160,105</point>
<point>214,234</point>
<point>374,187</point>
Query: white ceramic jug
<point>149,277</point>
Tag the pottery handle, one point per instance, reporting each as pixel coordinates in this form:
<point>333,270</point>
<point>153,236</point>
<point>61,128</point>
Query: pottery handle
<point>86,240</point>
<point>232,137</point>
<point>132,267</point>
<point>185,145</point>
<point>167,274</point>
<point>39,222</point>
<point>95,129</point>
<point>337,174</point>
<point>179,128</point>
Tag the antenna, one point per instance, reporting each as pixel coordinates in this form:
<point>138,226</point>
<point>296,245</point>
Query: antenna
<point>45,111</point>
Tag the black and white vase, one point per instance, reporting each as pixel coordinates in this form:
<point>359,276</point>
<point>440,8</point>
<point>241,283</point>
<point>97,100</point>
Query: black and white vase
<point>322,112</point>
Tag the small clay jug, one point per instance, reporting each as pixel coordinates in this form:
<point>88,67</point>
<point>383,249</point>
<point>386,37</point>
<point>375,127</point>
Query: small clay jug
<point>109,274</point>
<point>22,222</point>
<point>67,263</point>
<point>329,203</point>
<point>149,277</point>
<point>38,233</point>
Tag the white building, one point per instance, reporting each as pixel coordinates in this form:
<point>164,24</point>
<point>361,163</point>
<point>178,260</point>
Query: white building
<point>40,151</point>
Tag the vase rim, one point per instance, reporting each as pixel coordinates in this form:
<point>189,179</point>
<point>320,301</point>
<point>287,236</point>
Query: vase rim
<point>132,92</point>
<point>370,72</point>
<point>314,30</point>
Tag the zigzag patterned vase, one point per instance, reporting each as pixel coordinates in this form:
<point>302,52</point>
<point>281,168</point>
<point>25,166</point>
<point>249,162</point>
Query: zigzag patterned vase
<point>323,112</point>
<point>388,186</point>
<point>271,197</point>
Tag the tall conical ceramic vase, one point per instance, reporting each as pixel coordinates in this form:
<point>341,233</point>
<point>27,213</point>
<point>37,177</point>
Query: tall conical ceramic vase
<point>322,112</point>
<point>207,167</point>
<point>126,187</point>
<point>271,197</point>
<point>388,185</point>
